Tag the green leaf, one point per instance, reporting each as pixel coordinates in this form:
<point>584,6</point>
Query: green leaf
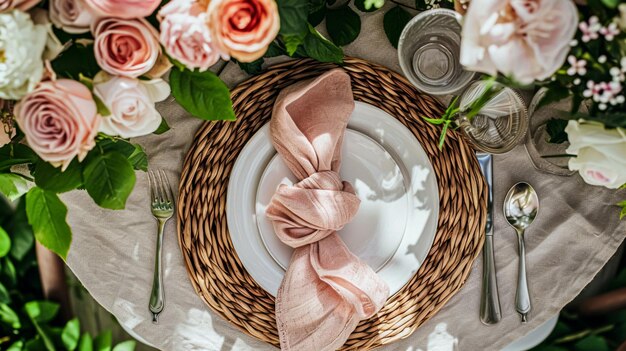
<point>109,179</point>
<point>22,238</point>
<point>163,127</point>
<point>16,346</point>
<point>202,94</point>
<point>554,94</point>
<point>592,343</point>
<point>102,109</point>
<point>53,179</point>
<point>5,243</point>
<point>274,50</point>
<point>367,5</point>
<point>36,344</point>
<point>65,64</point>
<point>442,137</point>
<point>9,317</point>
<point>292,42</point>
<point>85,343</point>
<point>293,16</point>
<point>46,214</point>
<point>316,17</point>
<point>622,213</point>
<point>138,158</point>
<point>5,297</point>
<point>394,22</point>
<point>611,3</point>
<point>556,130</point>
<point>252,68</point>
<point>103,342</point>
<point>8,272</point>
<point>71,334</point>
<point>15,154</point>
<point>12,185</point>
<point>433,120</point>
<point>128,345</point>
<point>343,25</point>
<point>41,311</point>
<point>320,48</point>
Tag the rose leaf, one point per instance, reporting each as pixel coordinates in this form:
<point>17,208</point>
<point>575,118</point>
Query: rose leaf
<point>203,94</point>
<point>293,16</point>
<point>46,214</point>
<point>109,179</point>
<point>343,25</point>
<point>394,22</point>
<point>320,48</point>
<point>53,179</point>
<point>12,185</point>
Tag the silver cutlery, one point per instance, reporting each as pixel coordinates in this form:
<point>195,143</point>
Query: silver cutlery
<point>520,209</point>
<point>162,206</point>
<point>490,312</point>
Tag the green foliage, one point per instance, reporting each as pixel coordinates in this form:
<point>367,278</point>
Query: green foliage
<point>65,65</point>
<point>109,179</point>
<point>343,25</point>
<point>15,154</point>
<point>555,128</point>
<point>293,16</point>
<point>203,94</point>
<point>368,5</point>
<point>27,320</point>
<point>163,127</point>
<point>253,68</point>
<point>5,243</point>
<point>46,214</point>
<point>394,22</point>
<point>12,185</point>
<point>54,179</point>
<point>320,48</point>
<point>622,213</point>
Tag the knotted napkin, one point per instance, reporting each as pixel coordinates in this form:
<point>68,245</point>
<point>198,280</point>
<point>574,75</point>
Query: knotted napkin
<point>326,290</point>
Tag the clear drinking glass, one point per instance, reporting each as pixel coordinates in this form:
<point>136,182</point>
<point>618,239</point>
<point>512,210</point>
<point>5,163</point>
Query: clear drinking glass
<point>545,156</point>
<point>428,51</point>
<point>500,125</point>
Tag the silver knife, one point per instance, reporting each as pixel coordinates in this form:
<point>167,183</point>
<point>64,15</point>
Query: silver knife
<point>489,301</point>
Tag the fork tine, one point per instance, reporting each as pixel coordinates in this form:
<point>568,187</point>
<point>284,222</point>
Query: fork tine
<point>152,186</point>
<point>161,183</point>
<point>170,193</point>
<point>157,188</point>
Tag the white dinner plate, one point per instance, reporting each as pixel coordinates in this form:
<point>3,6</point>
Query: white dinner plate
<point>397,219</point>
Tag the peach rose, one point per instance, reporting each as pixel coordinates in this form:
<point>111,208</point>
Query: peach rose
<point>60,121</point>
<point>24,5</point>
<point>243,29</point>
<point>127,48</point>
<point>185,35</point>
<point>126,9</point>
<point>525,39</point>
<point>73,16</point>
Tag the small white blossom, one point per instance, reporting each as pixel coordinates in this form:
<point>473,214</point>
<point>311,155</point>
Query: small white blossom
<point>577,81</point>
<point>610,31</point>
<point>573,43</point>
<point>576,66</point>
<point>590,29</point>
<point>602,107</point>
<point>602,59</point>
<point>21,48</point>
<point>617,74</point>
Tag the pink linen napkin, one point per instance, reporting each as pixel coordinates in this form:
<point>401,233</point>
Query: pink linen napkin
<point>326,290</point>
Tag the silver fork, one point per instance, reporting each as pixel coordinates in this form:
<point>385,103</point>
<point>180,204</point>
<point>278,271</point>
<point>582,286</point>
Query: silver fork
<point>162,205</point>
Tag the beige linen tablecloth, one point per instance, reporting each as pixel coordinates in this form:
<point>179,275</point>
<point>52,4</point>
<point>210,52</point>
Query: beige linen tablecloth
<point>576,232</point>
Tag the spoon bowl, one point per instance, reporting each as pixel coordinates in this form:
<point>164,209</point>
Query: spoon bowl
<point>521,205</point>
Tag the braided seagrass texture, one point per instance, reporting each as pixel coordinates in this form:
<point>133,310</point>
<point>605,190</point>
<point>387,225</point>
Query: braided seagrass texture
<point>212,263</point>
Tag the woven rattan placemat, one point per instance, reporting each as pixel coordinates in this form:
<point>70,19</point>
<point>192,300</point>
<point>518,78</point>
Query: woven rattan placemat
<point>212,263</point>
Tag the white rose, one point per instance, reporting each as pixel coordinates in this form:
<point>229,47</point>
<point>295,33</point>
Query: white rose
<point>73,16</point>
<point>131,103</point>
<point>21,47</point>
<point>601,153</point>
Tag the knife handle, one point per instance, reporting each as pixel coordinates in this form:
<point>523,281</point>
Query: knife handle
<point>489,301</point>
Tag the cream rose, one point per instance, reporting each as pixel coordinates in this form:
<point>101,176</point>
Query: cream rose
<point>24,5</point>
<point>185,35</point>
<point>60,121</point>
<point>243,29</point>
<point>73,16</point>
<point>22,44</point>
<point>525,39</point>
<point>601,153</point>
<point>127,48</point>
<point>131,103</point>
<point>126,9</point>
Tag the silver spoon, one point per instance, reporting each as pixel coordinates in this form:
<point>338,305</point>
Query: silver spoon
<point>520,209</point>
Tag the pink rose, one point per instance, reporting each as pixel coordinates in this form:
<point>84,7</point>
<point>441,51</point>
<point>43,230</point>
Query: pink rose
<point>24,5</point>
<point>73,16</point>
<point>60,121</point>
<point>525,39</point>
<point>127,48</point>
<point>243,29</point>
<point>131,103</point>
<point>185,35</point>
<point>126,9</point>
